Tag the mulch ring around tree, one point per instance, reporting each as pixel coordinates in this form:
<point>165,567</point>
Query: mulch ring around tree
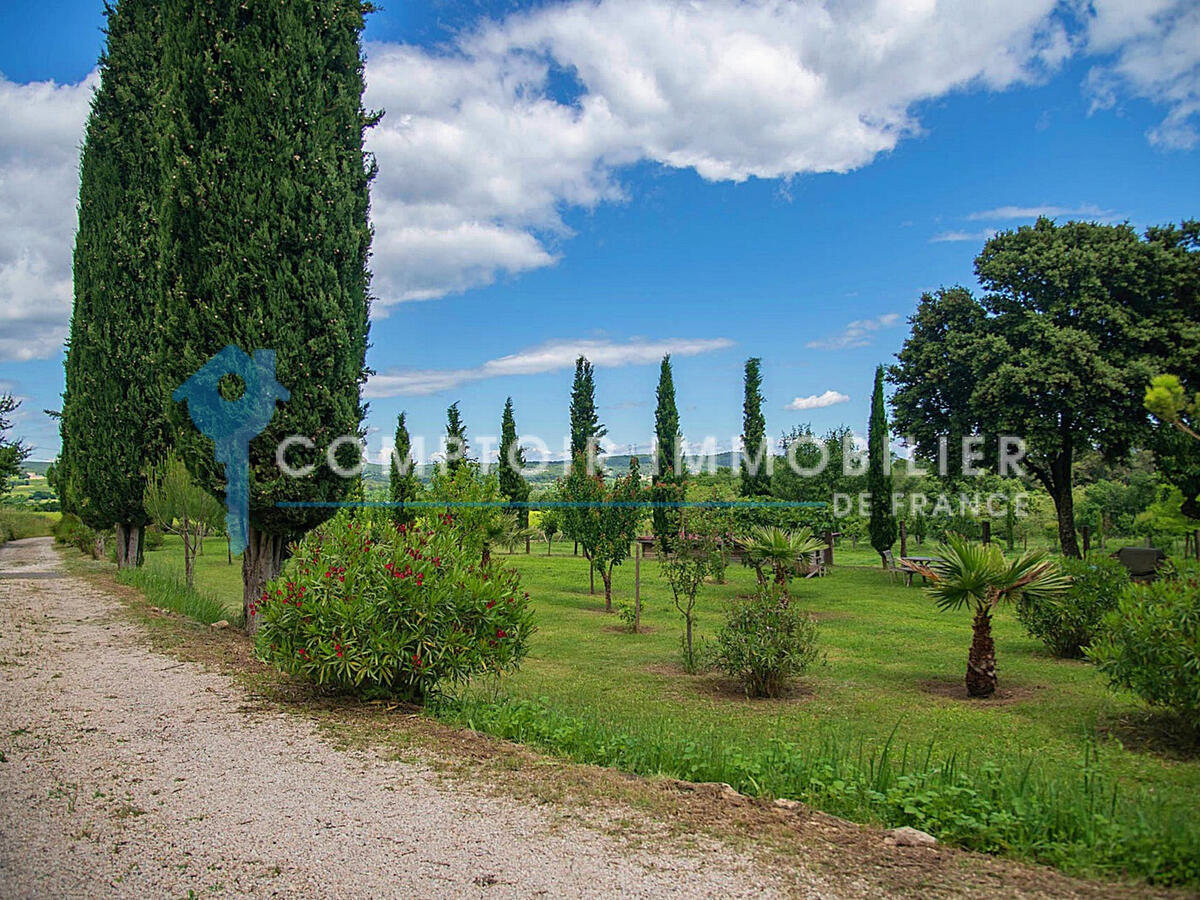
<point>721,687</point>
<point>956,689</point>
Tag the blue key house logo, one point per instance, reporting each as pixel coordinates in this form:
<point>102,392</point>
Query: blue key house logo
<point>232,424</point>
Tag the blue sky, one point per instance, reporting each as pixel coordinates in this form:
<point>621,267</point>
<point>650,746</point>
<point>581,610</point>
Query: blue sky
<point>741,210</point>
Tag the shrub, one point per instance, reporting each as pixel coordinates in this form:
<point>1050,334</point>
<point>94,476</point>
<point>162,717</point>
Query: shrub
<point>1150,644</point>
<point>71,531</point>
<point>1069,622</point>
<point>152,538</point>
<point>369,608</point>
<point>765,643</point>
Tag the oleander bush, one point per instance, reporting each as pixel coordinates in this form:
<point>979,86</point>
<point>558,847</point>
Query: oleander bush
<point>1150,644</point>
<point>375,609</point>
<point>1070,621</point>
<point>766,642</point>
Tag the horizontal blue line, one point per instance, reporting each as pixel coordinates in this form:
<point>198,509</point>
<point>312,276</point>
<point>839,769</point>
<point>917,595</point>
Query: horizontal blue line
<point>550,504</point>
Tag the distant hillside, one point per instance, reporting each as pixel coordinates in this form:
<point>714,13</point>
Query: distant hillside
<point>376,475</point>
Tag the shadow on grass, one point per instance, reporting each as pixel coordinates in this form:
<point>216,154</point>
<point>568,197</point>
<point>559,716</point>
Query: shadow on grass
<point>1157,733</point>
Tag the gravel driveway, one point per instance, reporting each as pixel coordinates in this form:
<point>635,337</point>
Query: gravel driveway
<point>128,773</point>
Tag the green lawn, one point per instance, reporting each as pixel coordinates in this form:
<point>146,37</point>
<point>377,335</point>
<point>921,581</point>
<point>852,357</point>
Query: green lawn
<point>895,665</point>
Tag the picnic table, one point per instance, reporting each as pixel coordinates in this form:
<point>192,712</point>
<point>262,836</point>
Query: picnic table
<point>912,565</point>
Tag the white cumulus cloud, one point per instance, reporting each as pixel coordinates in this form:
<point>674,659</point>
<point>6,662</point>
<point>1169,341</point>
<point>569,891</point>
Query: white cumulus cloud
<point>548,357</point>
<point>41,129</point>
<point>481,149</point>
<point>489,139</point>
<point>818,401</point>
<point>1153,50</point>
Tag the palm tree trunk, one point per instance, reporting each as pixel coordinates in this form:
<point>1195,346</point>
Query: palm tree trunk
<point>981,661</point>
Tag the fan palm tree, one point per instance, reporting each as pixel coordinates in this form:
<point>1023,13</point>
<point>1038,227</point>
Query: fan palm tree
<point>770,545</point>
<point>503,530</point>
<point>978,576</point>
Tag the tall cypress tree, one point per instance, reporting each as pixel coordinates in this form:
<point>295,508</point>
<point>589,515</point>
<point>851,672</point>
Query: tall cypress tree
<point>456,438</point>
<point>756,482</point>
<point>265,238</point>
<point>882,527</point>
<point>402,477</point>
<point>112,407</point>
<point>512,460</point>
<point>586,429</point>
<point>669,469</point>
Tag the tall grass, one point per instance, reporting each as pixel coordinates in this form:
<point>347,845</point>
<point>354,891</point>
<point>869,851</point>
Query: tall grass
<point>170,591</point>
<point>18,524</point>
<point>1083,824</point>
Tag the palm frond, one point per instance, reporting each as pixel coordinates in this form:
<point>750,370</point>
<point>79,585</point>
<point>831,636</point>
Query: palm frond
<point>970,573</point>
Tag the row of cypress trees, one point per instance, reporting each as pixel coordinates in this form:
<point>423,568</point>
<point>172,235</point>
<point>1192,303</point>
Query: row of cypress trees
<point>404,486</point>
<point>223,201</point>
<point>670,477</point>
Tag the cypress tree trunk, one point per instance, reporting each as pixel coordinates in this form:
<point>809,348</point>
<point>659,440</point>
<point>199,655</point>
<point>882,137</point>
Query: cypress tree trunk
<point>261,562</point>
<point>129,545</point>
<point>122,538</point>
<point>981,661</point>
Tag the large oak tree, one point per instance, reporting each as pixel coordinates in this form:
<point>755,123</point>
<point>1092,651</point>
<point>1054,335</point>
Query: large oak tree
<point>1057,351</point>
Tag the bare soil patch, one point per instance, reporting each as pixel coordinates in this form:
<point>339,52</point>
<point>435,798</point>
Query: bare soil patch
<point>956,689</point>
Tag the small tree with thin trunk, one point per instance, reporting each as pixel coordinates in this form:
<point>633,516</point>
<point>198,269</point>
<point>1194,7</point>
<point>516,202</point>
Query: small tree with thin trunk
<point>582,489</point>
<point>781,550</point>
<point>12,453</point>
<point>616,525</point>
<point>685,569</point>
<point>176,504</point>
<point>550,526</point>
<point>978,577</point>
